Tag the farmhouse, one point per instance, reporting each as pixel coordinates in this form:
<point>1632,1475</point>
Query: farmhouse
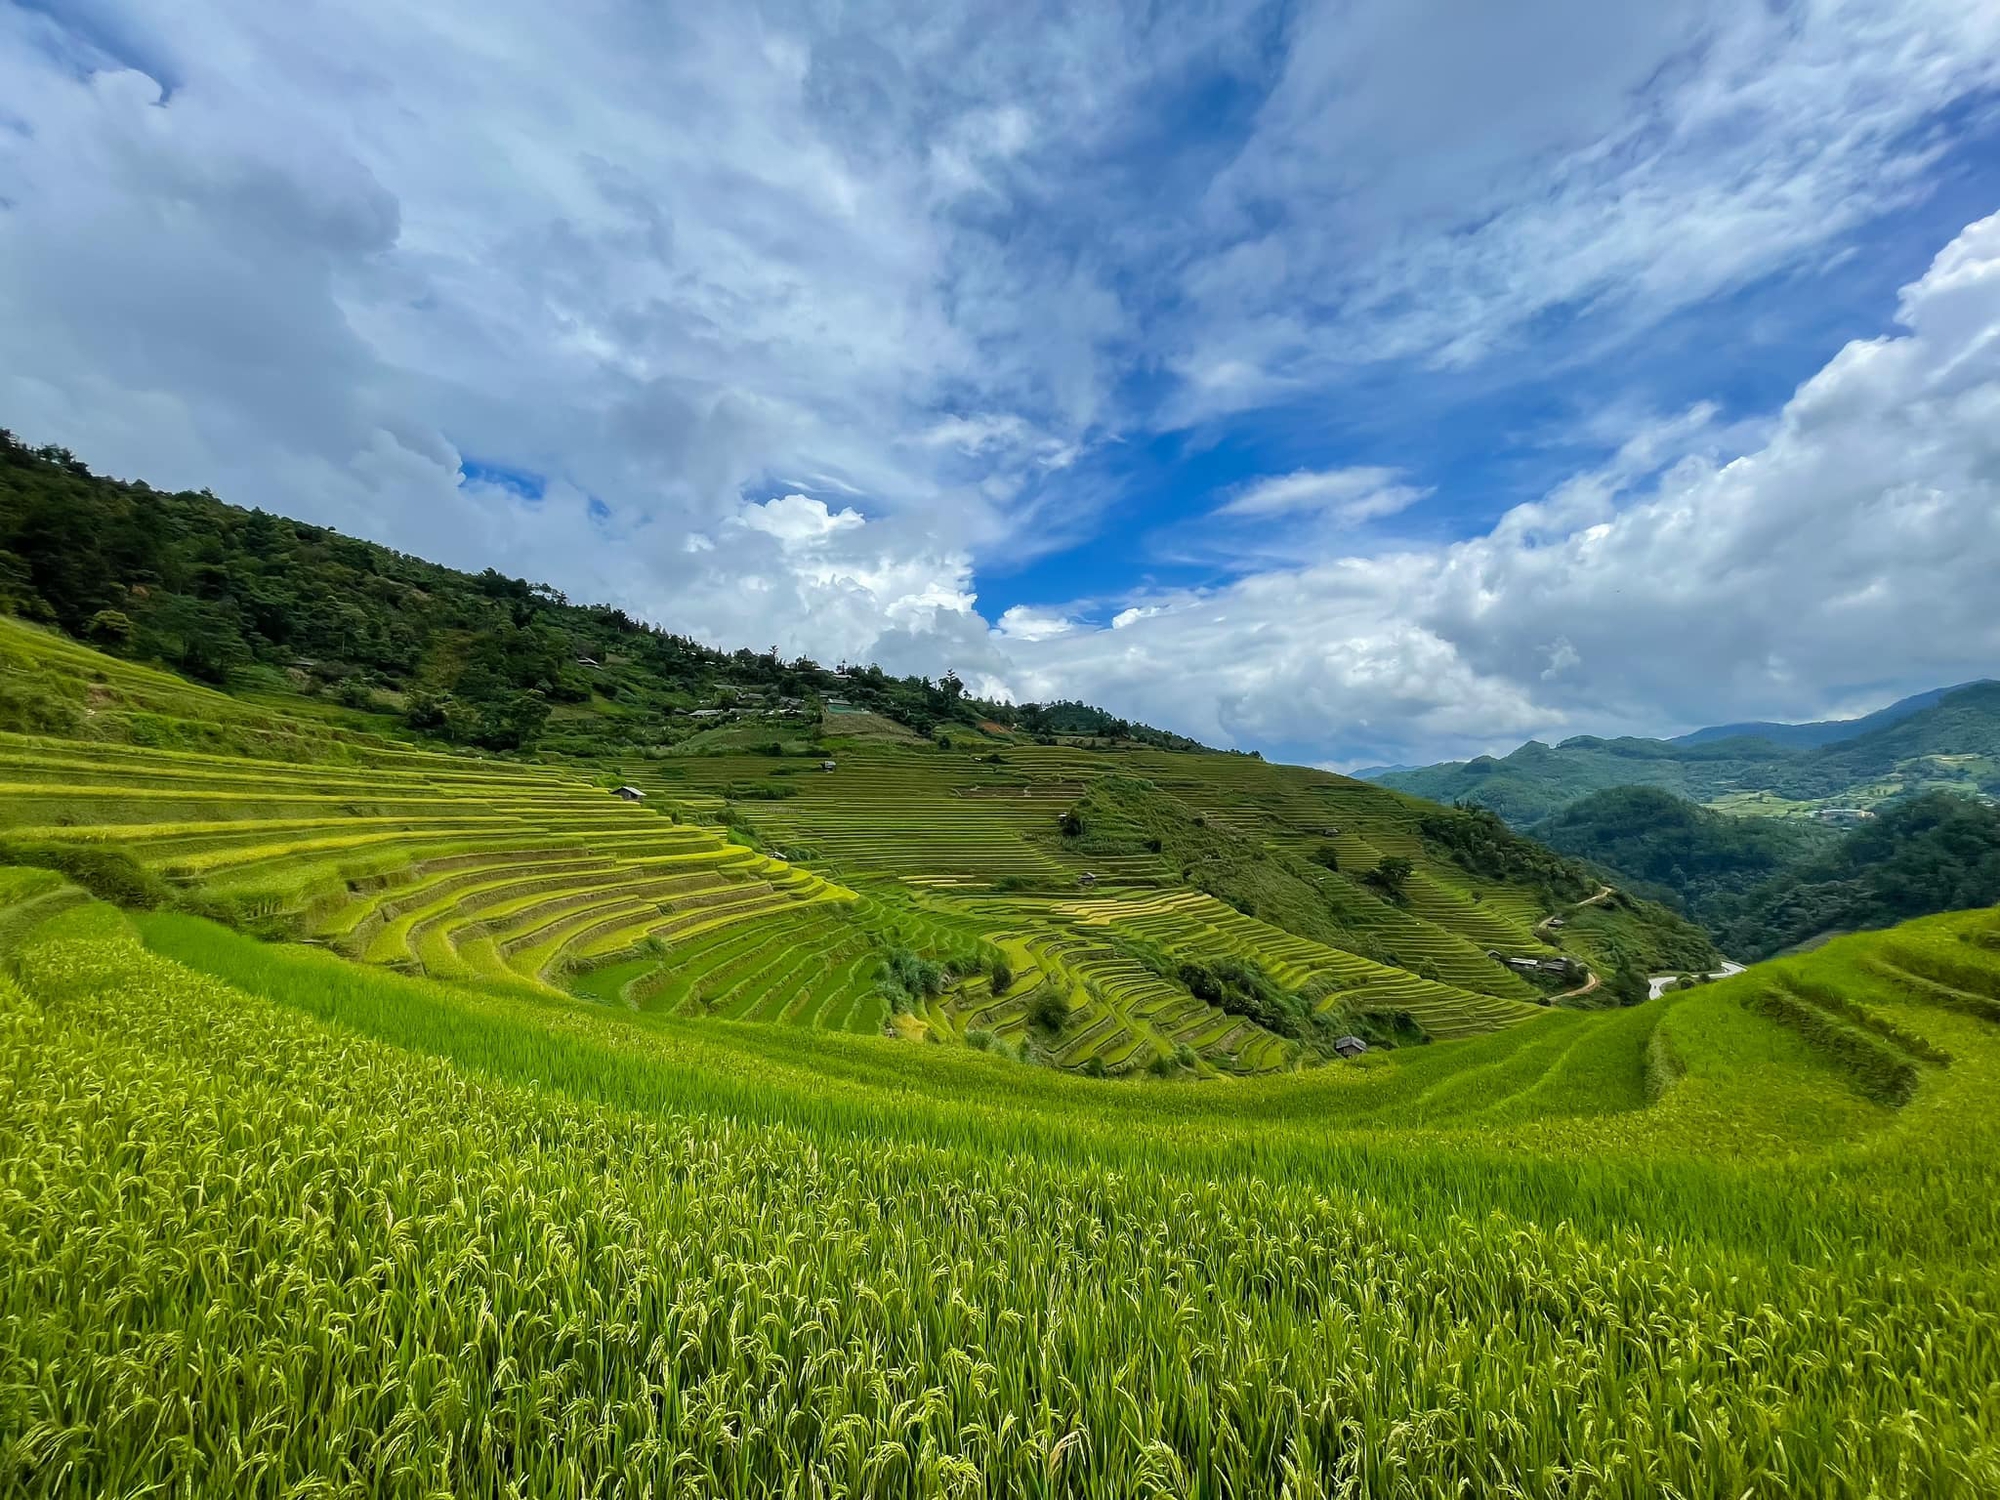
<point>1560,967</point>
<point>1086,878</point>
<point>1554,923</point>
<point>1350,1046</point>
<point>706,713</point>
<point>630,794</point>
<point>827,765</point>
<point>586,661</point>
<point>1843,814</point>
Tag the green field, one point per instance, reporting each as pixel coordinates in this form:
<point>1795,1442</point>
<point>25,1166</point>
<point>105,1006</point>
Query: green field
<point>273,1222</point>
<point>382,1120</point>
<point>762,887</point>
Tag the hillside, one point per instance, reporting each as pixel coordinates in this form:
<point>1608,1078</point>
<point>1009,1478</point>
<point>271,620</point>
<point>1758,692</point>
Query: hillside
<point>1700,860</point>
<point>927,890</point>
<point>516,1245</point>
<point>927,886</point>
<point>1762,884</point>
<point>1819,731</point>
<point>253,602</point>
<point>1934,853</point>
<point>1949,744</point>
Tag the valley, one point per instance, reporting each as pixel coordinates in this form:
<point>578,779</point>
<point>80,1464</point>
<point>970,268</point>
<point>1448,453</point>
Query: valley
<point>727,1088</point>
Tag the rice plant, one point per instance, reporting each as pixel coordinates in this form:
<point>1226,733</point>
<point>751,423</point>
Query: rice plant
<point>273,1223</point>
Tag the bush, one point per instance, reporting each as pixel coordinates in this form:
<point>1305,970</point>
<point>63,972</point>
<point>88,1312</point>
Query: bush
<point>1049,1010</point>
<point>108,874</point>
<point>1003,976</point>
<point>908,978</point>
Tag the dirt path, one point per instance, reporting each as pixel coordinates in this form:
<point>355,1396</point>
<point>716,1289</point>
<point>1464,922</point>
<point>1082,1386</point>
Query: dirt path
<point>1583,989</point>
<point>1541,930</point>
<point>1604,893</point>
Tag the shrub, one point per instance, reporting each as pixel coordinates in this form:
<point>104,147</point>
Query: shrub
<point>1049,1009</point>
<point>1390,876</point>
<point>108,874</point>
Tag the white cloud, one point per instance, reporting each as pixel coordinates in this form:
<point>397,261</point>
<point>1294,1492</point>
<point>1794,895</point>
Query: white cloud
<point>1023,623</point>
<point>1849,555</point>
<point>1618,162</point>
<point>1348,496</point>
<point>798,520</point>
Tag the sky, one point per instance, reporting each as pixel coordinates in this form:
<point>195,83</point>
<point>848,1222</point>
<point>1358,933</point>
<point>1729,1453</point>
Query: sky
<point>1364,382</point>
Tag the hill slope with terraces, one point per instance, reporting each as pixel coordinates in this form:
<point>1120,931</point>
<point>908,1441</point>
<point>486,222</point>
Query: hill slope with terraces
<point>942,892</point>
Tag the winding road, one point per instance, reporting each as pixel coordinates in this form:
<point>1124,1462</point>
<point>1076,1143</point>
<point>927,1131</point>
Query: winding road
<point>1657,985</point>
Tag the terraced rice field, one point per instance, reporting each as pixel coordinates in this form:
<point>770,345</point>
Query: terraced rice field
<point>752,888</point>
<point>446,866</point>
<point>478,870</point>
<point>275,1222</point>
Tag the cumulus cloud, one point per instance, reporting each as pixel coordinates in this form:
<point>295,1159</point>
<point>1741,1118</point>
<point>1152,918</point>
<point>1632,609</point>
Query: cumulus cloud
<point>1022,623</point>
<point>1848,556</point>
<point>793,324</point>
<point>799,520</point>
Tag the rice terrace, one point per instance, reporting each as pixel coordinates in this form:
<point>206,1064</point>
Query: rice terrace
<point>887,751</point>
<point>949,1115</point>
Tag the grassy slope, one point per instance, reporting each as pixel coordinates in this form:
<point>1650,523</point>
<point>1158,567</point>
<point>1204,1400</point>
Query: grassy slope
<point>268,1216</point>
<point>507,872</point>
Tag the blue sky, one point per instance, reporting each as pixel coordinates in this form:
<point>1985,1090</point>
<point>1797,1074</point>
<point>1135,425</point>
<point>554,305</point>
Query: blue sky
<point>1357,381</point>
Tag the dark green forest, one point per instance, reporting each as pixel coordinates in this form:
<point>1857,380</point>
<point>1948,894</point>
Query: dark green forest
<point>1701,861</point>
<point>1934,853</point>
<point>249,600</point>
<point>1762,885</point>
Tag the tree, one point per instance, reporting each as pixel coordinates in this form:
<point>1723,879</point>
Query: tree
<point>1390,876</point>
<point>111,628</point>
<point>1049,1010</point>
<point>1627,985</point>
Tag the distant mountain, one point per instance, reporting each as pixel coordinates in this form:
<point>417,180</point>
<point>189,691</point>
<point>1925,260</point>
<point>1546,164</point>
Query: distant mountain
<point>1819,732</point>
<point>1950,743</point>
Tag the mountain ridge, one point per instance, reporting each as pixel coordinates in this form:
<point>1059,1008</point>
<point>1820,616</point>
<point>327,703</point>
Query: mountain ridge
<point>1950,742</point>
<point>1819,731</point>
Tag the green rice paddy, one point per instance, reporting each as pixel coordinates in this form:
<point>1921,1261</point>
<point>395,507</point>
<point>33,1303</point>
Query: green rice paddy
<point>274,1223</point>
<point>426,1125</point>
<point>758,888</point>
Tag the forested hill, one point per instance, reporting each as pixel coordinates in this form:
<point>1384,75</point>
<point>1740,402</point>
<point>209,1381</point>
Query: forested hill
<point>1953,744</point>
<point>1762,885</point>
<point>1819,731</point>
<point>250,600</point>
